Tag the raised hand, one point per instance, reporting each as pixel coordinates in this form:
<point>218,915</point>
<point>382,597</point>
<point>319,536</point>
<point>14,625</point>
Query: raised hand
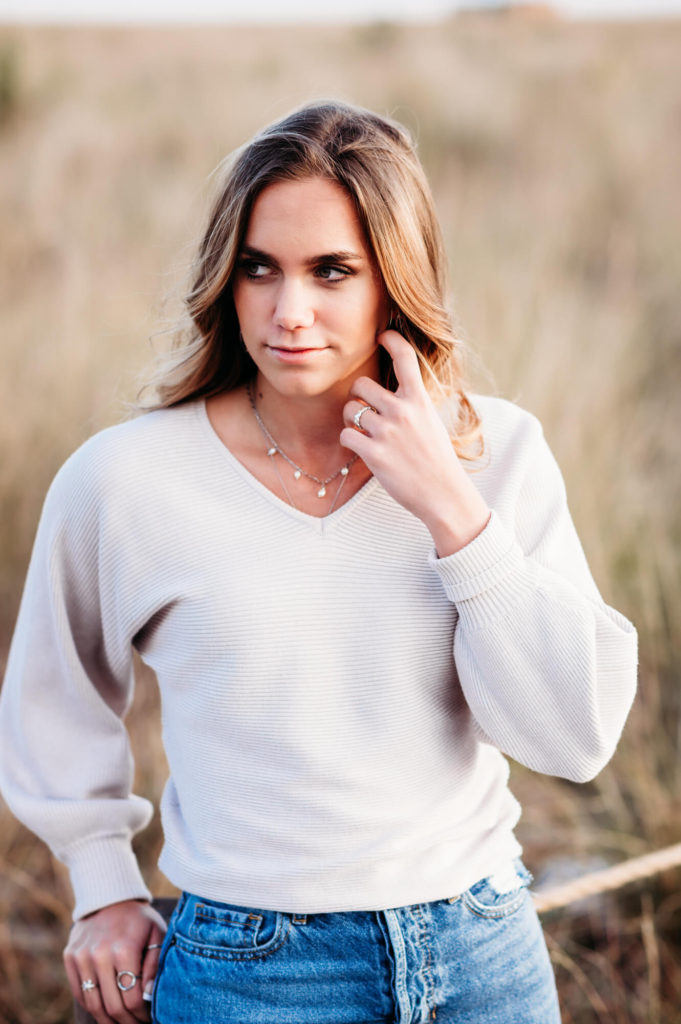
<point>406,446</point>
<point>121,941</point>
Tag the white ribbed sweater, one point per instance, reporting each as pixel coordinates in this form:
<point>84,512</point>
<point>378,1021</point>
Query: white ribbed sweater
<point>336,700</point>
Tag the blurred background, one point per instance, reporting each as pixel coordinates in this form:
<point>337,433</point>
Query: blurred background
<point>552,139</point>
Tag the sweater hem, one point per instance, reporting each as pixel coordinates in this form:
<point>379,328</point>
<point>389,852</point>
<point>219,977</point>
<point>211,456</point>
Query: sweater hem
<point>443,872</point>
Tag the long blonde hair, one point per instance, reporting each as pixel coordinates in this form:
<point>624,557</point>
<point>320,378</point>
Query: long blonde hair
<point>374,160</point>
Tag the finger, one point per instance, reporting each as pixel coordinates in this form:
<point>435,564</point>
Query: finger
<point>118,1004</point>
<point>150,964</point>
<point>371,392</point>
<point>135,1003</point>
<point>133,1000</point>
<point>151,958</point>
<point>405,360</point>
<point>360,416</point>
<point>357,442</point>
<point>74,980</point>
<point>92,999</point>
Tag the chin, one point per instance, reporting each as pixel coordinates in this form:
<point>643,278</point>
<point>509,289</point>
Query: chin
<point>302,385</point>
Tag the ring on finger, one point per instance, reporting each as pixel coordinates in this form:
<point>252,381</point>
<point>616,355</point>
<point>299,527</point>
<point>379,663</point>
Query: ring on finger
<point>126,986</point>
<point>154,945</point>
<point>88,985</point>
<point>357,418</point>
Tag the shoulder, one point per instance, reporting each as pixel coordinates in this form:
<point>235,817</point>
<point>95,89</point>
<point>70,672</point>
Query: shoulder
<point>517,464</point>
<point>134,441</point>
<point>128,456</point>
<point>505,423</point>
<point>511,435</point>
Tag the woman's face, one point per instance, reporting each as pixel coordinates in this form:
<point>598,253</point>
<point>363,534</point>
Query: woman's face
<point>308,296</point>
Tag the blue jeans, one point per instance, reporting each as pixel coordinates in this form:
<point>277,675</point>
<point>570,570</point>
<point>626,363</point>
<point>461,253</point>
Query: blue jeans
<point>478,958</point>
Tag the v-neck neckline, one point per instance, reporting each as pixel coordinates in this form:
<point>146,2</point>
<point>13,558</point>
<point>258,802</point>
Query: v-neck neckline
<point>320,523</point>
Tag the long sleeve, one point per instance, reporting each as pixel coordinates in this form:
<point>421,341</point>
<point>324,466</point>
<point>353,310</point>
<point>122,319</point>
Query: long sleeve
<point>547,669</point>
<point>65,762</point>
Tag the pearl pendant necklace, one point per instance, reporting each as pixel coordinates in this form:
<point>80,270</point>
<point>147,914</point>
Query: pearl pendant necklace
<point>298,472</point>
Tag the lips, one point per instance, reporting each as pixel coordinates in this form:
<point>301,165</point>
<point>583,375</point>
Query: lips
<point>293,355</point>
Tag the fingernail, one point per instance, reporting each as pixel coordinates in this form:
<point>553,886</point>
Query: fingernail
<point>148,989</point>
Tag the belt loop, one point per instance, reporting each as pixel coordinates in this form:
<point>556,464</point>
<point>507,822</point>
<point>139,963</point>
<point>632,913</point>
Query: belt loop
<point>299,918</point>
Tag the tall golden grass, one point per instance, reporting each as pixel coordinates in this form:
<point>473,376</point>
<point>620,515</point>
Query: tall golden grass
<point>555,155</point>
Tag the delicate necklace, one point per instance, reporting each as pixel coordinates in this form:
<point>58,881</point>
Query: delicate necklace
<point>298,471</point>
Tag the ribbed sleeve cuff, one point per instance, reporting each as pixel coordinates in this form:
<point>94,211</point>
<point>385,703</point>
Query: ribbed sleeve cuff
<point>104,871</point>
<point>486,577</point>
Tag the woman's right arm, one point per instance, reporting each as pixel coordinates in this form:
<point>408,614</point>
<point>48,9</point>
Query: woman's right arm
<point>65,761</point>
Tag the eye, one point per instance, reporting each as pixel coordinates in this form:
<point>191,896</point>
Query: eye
<point>253,269</point>
<point>332,272</point>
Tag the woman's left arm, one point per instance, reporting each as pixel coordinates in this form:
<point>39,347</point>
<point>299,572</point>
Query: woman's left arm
<point>548,670</point>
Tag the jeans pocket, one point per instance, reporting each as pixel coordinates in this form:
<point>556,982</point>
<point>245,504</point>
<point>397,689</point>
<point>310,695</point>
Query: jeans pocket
<point>216,925</point>
<point>213,929</point>
<point>500,894</point>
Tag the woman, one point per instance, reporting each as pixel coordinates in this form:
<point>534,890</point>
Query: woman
<point>359,588</point>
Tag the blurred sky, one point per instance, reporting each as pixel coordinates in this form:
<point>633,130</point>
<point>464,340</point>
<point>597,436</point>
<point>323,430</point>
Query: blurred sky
<point>296,10</point>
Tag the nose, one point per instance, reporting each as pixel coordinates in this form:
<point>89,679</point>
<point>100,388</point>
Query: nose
<point>293,307</point>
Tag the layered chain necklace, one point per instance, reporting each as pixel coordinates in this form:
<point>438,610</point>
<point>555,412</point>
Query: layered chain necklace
<point>275,449</point>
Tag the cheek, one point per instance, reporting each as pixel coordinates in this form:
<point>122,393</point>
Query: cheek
<point>237,298</point>
<point>248,304</point>
<point>379,304</point>
<point>370,309</point>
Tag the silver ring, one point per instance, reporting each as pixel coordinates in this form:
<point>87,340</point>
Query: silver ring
<point>357,418</point>
<point>126,974</point>
<point>88,985</point>
<point>155,945</point>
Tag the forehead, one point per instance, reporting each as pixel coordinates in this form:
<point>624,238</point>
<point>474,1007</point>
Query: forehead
<point>312,215</point>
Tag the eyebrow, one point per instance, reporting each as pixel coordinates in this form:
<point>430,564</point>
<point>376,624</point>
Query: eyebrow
<point>340,256</point>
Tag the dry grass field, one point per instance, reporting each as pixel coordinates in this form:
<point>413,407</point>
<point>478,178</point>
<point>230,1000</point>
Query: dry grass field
<point>554,150</point>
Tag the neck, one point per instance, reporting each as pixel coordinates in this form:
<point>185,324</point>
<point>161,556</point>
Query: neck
<point>307,428</point>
